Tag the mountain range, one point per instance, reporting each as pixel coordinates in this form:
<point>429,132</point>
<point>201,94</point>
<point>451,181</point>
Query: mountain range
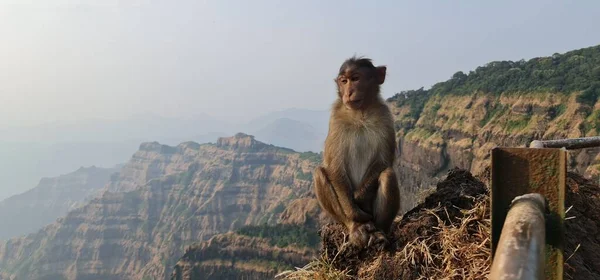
<point>164,199</point>
<point>29,153</point>
<point>51,198</point>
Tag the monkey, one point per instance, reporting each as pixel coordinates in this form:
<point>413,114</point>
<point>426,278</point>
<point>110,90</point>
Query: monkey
<point>356,183</point>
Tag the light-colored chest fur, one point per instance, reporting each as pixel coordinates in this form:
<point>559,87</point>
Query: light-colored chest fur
<point>363,146</point>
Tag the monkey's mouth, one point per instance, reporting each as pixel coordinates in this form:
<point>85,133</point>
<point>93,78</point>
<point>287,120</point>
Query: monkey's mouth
<point>354,104</point>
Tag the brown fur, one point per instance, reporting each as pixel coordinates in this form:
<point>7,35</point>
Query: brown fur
<point>356,184</point>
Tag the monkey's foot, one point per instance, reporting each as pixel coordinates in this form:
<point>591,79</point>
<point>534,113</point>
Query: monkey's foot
<point>378,240</point>
<point>360,235</point>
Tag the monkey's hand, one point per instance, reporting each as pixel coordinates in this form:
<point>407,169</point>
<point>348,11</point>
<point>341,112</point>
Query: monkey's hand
<point>342,190</point>
<point>364,199</point>
<point>360,216</point>
<point>364,195</point>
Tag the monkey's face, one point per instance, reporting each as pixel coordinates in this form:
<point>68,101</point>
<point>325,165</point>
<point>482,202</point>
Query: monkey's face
<point>358,86</point>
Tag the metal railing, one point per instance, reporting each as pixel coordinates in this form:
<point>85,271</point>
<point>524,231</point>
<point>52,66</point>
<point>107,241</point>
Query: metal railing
<point>569,144</point>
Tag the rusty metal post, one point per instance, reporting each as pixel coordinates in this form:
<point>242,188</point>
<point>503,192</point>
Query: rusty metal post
<point>520,171</point>
<point>520,251</point>
<point>569,144</point>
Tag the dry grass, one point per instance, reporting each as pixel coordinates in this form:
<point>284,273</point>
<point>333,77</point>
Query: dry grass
<point>440,241</point>
<point>320,269</point>
<point>457,251</point>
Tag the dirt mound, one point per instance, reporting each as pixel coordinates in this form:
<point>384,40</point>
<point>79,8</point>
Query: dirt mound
<point>582,229</point>
<point>448,236</point>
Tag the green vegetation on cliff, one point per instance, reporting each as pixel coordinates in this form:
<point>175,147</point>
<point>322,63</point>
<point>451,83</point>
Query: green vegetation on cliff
<point>283,235</point>
<point>503,103</point>
<point>574,71</point>
<point>578,70</point>
<point>312,157</point>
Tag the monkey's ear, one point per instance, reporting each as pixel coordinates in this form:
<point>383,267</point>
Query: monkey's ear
<point>381,74</point>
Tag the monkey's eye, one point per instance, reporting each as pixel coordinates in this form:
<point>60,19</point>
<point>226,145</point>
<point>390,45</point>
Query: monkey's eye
<point>355,78</point>
<point>344,81</point>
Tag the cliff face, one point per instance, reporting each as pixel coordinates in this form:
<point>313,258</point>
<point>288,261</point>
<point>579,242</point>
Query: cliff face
<point>50,199</point>
<point>236,256</point>
<point>168,198</point>
<point>154,160</point>
<point>456,123</point>
<point>258,252</point>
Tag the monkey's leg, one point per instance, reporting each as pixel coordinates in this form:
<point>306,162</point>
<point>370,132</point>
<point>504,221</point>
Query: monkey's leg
<point>338,204</point>
<point>327,197</point>
<point>359,224</point>
<point>387,202</point>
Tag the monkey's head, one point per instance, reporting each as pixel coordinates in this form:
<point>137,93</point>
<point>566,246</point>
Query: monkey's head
<point>358,82</point>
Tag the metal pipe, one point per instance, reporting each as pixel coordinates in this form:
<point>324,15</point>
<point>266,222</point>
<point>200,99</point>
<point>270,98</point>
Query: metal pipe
<point>569,144</point>
<point>520,252</point>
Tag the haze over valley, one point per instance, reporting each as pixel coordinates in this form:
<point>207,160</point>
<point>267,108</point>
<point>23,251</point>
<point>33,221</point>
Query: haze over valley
<point>30,153</point>
<point>85,82</point>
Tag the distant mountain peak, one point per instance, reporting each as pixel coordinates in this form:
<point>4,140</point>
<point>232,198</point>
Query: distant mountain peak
<point>243,135</point>
<point>189,145</point>
<point>157,147</point>
<point>240,141</point>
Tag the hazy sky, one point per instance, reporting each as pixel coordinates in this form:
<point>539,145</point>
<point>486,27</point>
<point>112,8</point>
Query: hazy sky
<point>68,60</point>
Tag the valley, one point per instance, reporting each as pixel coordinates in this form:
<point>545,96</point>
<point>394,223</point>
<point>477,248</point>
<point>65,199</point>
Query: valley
<point>165,199</point>
<point>52,198</point>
